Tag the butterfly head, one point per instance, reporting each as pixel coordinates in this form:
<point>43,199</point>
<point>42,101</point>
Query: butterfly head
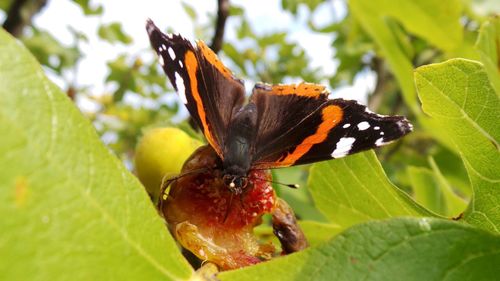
<point>235,183</point>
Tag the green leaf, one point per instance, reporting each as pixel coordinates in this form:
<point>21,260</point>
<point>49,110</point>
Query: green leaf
<point>397,249</point>
<point>355,189</point>
<point>244,30</point>
<point>458,95</point>
<point>69,208</point>
<point>453,169</point>
<point>235,10</point>
<point>114,33</point>
<point>5,4</point>
<point>51,52</point>
<point>190,11</point>
<point>234,55</point>
<point>488,46</point>
<point>455,204</point>
<point>89,9</point>
<point>426,190</point>
<point>315,232</point>
<point>433,191</point>
<point>293,5</point>
<point>124,74</point>
<point>435,21</point>
<point>318,232</point>
<point>299,199</point>
<point>272,39</point>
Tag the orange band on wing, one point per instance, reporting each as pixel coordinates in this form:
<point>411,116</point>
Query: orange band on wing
<point>331,116</point>
<point>302,89</point>
<point>212,58</point>
<point>192,67</point>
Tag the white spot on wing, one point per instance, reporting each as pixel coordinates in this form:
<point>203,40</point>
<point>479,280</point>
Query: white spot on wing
<point>181,64</point>
<point>343,147</point>
<point>171,53</point>
<point>410,125</point>
<point>376,128</point>
<point>181,88</point>
<point>363,126</point>
<point>346,125</point>
<point>160,59</point>
<point>379,142</point>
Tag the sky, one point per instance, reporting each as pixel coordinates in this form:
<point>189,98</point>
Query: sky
<point>92,70</point>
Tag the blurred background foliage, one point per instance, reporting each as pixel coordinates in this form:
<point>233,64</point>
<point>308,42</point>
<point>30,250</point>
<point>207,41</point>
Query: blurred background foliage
<point>388,39</point>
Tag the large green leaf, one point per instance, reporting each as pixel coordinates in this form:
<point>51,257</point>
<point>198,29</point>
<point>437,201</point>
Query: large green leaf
<point>355,189</point>
<point>488,46</point>
<point>458,95</point>
<point>69,209</point>
<point>436,21</point>
<point>396,249</point>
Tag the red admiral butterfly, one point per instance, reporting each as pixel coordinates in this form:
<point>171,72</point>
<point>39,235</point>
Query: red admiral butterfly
<point>280,126</point>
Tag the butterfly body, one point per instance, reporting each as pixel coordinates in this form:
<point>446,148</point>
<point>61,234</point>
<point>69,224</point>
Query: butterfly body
<point>238,149</point>
<point>280,125</point>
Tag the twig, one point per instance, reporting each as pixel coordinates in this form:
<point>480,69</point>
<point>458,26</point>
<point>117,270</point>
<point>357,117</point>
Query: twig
<point>383,76</point>
<point>222,14</point>
<point>20,13</point>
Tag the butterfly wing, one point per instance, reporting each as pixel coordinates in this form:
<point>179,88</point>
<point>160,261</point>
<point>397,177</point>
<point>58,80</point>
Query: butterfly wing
<point>207,88</point>
<point>298,124</point>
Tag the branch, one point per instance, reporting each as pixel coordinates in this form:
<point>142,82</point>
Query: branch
<point>222,14</point>
<point>383,76</point>
<point>20,13</point>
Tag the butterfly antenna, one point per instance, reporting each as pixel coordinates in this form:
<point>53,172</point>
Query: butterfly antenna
<point>168,179</point>
<point>291,185</point>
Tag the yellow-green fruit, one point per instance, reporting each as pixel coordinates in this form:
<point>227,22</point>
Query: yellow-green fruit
<point>161,152</point>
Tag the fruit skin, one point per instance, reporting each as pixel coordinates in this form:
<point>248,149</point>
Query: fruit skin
<point>161,152</point>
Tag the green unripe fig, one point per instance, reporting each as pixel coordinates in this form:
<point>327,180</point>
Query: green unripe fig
<point>162,152</point>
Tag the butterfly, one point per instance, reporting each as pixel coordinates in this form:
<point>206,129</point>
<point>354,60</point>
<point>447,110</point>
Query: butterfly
<point>280,125</point>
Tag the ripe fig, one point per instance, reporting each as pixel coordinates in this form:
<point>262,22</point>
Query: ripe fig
<point>216,224</point>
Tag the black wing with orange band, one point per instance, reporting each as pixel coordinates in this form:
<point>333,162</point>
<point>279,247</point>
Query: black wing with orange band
<point>207,88</point>
<point>298,124</point>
